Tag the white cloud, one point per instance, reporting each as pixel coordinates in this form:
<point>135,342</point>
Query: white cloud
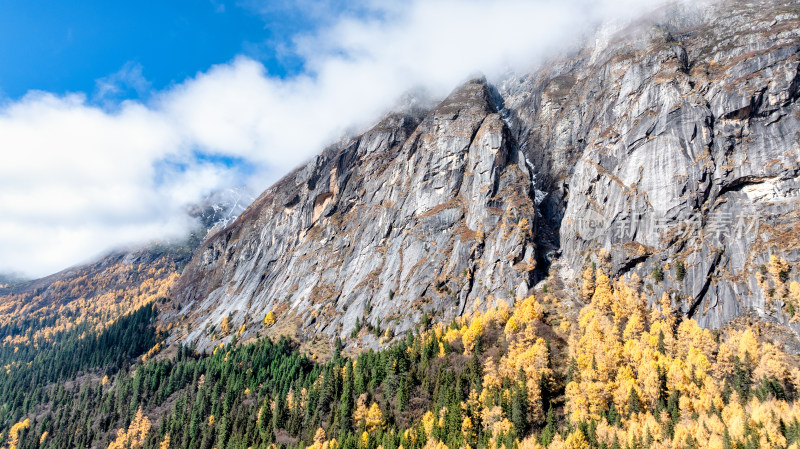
<point>129,77</point>
<point>77,179</point>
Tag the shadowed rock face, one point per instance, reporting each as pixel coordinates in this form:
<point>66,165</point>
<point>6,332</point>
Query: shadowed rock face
<point>675,140</point>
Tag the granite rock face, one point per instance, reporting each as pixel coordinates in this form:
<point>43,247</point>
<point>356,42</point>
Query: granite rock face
<point>670,142</point>
<point>674,143</point>
<point>424,213</point>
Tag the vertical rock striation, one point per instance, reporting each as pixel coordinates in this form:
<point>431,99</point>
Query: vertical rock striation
<point>674,143</point>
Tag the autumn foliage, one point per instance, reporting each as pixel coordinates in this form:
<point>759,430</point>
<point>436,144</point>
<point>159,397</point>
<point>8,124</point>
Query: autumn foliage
<point>621,373</point>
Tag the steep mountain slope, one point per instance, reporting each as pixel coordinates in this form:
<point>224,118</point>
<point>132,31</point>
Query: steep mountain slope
<point>9,279</point>
<point>424,213</point>
<point>668,149</point>
<point>675,144</point>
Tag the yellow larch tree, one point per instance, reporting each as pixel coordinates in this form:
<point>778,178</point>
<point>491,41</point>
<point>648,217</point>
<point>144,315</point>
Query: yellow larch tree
<point>225,326</point>
<point>136,434</point>
<point>473,332</point>
<point>16,429</point>
<point>576,440</point>
<point>771,364</point>
<point>374,418</point>
<point>603,294</point>
<point>748,345</point>
<point>587,287</point>
<point>777,269</point>
<point>360,412</point>
<point>429,421</point>
<point>794,300</point>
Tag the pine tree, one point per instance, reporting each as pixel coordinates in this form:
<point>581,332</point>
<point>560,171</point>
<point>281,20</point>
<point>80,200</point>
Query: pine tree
<point>680,270</point>
<point>519,404</point>
<point>634,403</point>
<point>550,428</point>
<point>403,394</point>
<point>346,401</point>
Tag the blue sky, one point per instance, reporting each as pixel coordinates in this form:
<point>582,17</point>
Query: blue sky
<point>65,46</point>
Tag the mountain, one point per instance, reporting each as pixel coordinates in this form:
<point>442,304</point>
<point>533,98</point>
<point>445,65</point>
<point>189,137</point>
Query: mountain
<point>424,213</point>
<point>219,208</point>
<point>599,253</point>
<point>9,279</point>
<point>668,150</point>
<point>94,295</point>
<point>677,149</point>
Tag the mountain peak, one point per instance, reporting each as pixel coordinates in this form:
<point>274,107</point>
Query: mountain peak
<point>400,223</point>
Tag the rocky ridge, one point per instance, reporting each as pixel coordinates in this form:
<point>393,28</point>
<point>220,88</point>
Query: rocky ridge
<point>423,214</point>
<point>670,142</point>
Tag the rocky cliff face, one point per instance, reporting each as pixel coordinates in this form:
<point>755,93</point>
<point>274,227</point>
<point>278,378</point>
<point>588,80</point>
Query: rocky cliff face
<point>670,143</point>
<point>425,213</point>
<point>677,147</point>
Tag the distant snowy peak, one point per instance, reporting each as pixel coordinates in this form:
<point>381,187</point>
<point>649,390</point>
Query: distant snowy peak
<point>220,208</point>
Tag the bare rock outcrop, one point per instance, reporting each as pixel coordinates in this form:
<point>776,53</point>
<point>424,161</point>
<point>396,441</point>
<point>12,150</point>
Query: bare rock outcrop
<point>423,214</point>
<point>668,149</point>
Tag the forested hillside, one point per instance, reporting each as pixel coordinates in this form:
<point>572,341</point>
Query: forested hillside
<point>620,375</point>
